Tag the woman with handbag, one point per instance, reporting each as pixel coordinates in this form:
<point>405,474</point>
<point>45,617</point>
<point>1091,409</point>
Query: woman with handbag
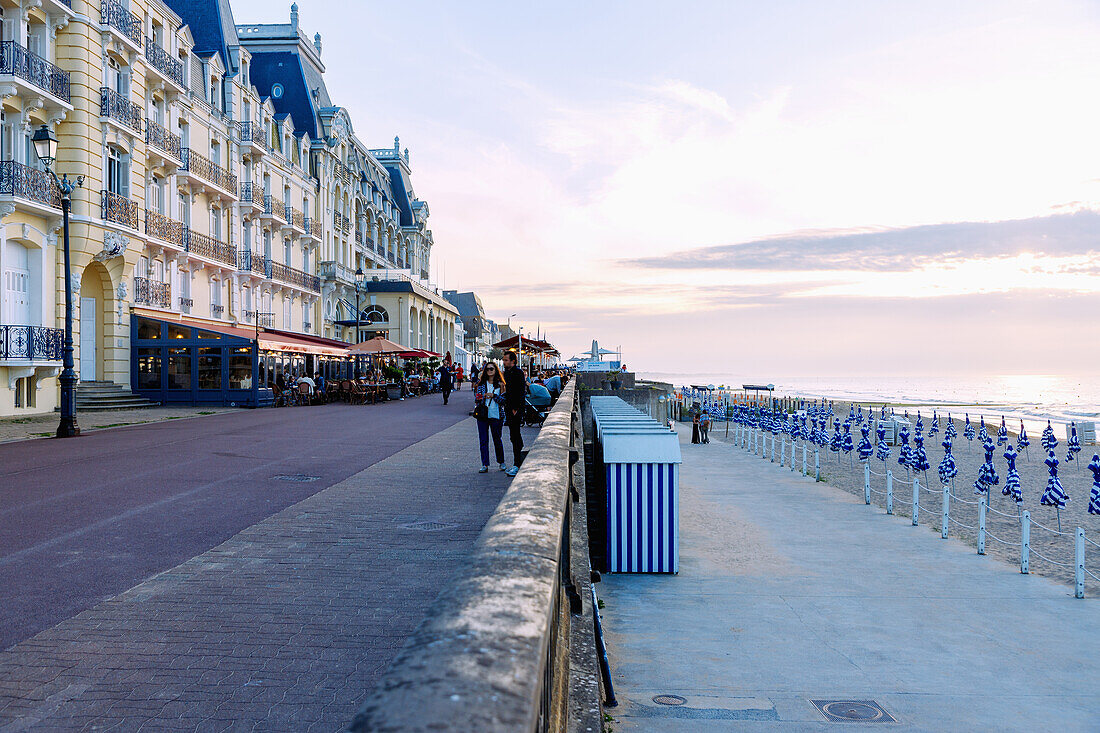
<point>489,412</point>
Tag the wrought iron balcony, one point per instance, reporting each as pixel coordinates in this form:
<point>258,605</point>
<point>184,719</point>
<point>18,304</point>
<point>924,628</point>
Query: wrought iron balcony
<point>119,209</point>
<point>332,270</point>
<point>208,170</point>
<point>295,218</point>
<point>368,242</point>
<point>28,183</point>
<point>313,227</point>
<point>117,107</point>
<point>161,139</point>
<point>248,261</point>
<point>186,302</point>
<point>217,310</point>
<point>152,292</point>
<point>116,16</point>
<point>359,237</point>
<point>266,320</point>
<point>18,61</point>
<point>341,222</point>
<point>207,246</point>
<point>287,274</point>
<point>343,172</point>
<point>163,62</point>
<point>31,343</point>
<point>251,193</point>
<point>160,226</point>
<point>274,207</point>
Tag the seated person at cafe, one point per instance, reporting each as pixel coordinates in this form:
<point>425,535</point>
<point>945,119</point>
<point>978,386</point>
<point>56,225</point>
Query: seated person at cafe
<point>538,395</point>
<point>553,384</point>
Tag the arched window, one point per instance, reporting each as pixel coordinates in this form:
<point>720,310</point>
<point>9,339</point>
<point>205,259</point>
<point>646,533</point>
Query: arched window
<point>375,314</point>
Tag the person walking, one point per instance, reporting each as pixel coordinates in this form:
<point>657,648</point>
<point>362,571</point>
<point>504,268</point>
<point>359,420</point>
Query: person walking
<point>445,379</point>
<point>704,427</point>
<point>695,423</point>
<point>458,378</point>
<point>489,400</point>
<point>517,391</point>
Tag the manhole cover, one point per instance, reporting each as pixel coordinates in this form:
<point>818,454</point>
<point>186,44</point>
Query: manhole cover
<point>853,711</point>
<point>427,526</point>
<point>299,477</point>
<point>669,700</point>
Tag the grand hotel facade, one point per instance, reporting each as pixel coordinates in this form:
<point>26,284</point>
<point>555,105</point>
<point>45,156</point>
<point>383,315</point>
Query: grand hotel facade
<point>226,208</point>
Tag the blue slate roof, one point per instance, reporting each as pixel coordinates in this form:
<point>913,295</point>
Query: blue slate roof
<point>285,68</point>
<point>212,27</point>
<point>401,196</point>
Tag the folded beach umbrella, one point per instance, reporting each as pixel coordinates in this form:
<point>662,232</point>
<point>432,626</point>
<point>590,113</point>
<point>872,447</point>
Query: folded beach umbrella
<point>1012,478</point>
<point>834,444</point>
<point>1054,495</point>
<point>846,442</point>
<point>883,449</point>
<point>983,434</point>
<point>904,458</point>
<point>919,428</point>
<point>1022,441</point>
<point>950,431</point>
<point>968,432</point>
<point>987,474</point>
<point>934,427</point>
<point>1002,434</point>
<point>919,457</point>
<point>948,469</point>
<point>1094,498</point>
<point>866,450</point>
<point>1049,441</point>
<point>1073,445</point>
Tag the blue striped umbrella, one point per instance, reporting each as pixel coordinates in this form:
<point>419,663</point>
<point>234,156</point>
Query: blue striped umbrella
<point>951,431</point>
<point>948,469</point>
<point>919,429</point>
<point>919,458</point>
<point>1012,478</point>
<point>883,451</point>
<point>934,427</point>
<point>1054,495</point>
<point>866,450</point>
<point>904,459</point>
<point>1049,441</point>
<point>983,434</point>
<point>1022,441</point>
<point>1002,434</point>
<point>1094,498</point>
<point>834,444</point>
<point>846,442</point>
<point>987,474</point>
<point>1073,445</point>
<point>968,432</point>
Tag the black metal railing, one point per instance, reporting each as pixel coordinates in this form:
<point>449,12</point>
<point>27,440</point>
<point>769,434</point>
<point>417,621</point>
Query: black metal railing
<point>250,132</point>
<point>341,222</point>
<point>115,106</point>
<point>295,218</point>
<point>18,61</point>
<point>160,226</point>
<point>248,261</point>
<point>208,170</point>
<point>28,183</point>
<point>152,292</point>
<point>163,62</point>
<point>186,302</point>
<point>343,172</point>
<point>33,343</point>
<point>274,207</point>
<point>118,17</point>
<point>161,139</point>
<point>251,193</point>
<point>119,209</point>
<point>266,320</point>
<point>313,227</point>
<point>216,309</point>
<point>288,274</point>
<point>207,246</point>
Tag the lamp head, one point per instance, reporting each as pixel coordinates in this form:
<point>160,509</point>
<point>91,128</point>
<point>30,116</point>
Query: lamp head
<point>45,145</point>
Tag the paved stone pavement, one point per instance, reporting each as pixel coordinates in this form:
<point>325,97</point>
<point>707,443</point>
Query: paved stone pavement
<point>45,426</point>
<point>285,626</point>
<point>791,591</point>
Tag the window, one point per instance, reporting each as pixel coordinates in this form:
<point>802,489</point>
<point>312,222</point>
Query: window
<point>305,315</point>
<point>118,172</point>
<point>148,328</point>
<point>287,324</point>
<point>117,78</point>
<point>179,368</point>
<point>246,298</point>
<point>267,244</point>
<point>210,368</point>
<point>216,297</point>
<point>16,285</point>
<point>158,270</point>
<point>240,367</point>
<point>287,252</point>
<point>246,236</point>
<point>185,209</point>
<point>156,195</point>
<point>148,366</point>
<point>215,224</point>
<point>142,268</point>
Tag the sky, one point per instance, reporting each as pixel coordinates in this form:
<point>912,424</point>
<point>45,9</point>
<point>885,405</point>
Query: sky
<point>758,189</point>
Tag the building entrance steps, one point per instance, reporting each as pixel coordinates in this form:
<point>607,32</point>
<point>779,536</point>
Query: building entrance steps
<point>108,396</point>
<point>285,625</point>
<point>794,596</point>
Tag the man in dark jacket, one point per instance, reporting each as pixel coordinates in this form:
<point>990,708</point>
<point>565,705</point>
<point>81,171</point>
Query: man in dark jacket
<point>515,391</point>
<point>445,380</point>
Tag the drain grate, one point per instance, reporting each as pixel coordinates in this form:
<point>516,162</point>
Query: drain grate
<point>669,700</point>
<point>853,711</point>
<point>298,477</point>
<point>426,526</point>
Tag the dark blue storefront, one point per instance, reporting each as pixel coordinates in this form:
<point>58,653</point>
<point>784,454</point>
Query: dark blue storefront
<point>182,363</point>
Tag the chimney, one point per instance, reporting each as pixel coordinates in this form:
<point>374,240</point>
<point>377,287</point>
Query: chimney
<point>317,42</point>
<point>294,16</point>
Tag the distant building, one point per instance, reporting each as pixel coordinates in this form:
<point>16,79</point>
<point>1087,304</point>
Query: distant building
<point>479,329</point>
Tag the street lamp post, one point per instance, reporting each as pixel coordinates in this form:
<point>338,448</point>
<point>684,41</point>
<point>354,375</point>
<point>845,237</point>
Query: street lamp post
<point>431,328</point>
<point>45,147</point>
<point>360,283</point>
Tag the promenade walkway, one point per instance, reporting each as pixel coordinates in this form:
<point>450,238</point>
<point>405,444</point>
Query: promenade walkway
<point>286,624</point>
<point>791,591</point>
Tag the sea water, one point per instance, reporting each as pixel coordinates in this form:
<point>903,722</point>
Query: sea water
<point>1032,398</point>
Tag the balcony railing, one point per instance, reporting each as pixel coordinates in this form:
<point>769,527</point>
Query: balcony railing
<point>287,274</point>
<point>332,270</point>
<point>217,310</point>
<point>313,227</point>
<point>28,183</point>
<point>368,242</point>
<point>117,107</point>
<point>359,237</point>
<point>161,139</point>
<point>341,222</point>
<point>160,226</point>
<point>343,172</point>
<point>295,218</point>
<point>118,17</point>
<point>208,170</point>
<point>119,209</point>
<point>250,193</point>
<point>31,343</point>
<point>18,61</point>
<point>250,132</point>
<point>274,207</point>
<point>186,302</point>
<point>163,62</point>
<point>248,261</point>
<point>151,292</point>
<point>207,246</point>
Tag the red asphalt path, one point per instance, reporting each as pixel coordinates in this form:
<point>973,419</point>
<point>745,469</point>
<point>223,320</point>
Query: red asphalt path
<point>84,519</point>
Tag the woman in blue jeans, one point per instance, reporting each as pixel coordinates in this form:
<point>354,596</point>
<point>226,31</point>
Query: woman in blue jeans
<point>489,411</point>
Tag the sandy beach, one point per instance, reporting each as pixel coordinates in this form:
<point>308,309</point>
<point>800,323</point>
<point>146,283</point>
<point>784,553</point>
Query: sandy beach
<point>846,472</point>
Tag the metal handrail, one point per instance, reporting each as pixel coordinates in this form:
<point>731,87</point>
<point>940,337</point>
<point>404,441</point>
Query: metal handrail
<point>163,62</point>
<point>160,226</point>
<point>29,183</point>
<point>31,343</point>
<point>152,292</point>
<point>207,169</point>
<point>274,207</point>
<point>113,14</point>
<point>116,106</point>
<point>161,139</point>
<point>18,61</point>
<point>118,209</point>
